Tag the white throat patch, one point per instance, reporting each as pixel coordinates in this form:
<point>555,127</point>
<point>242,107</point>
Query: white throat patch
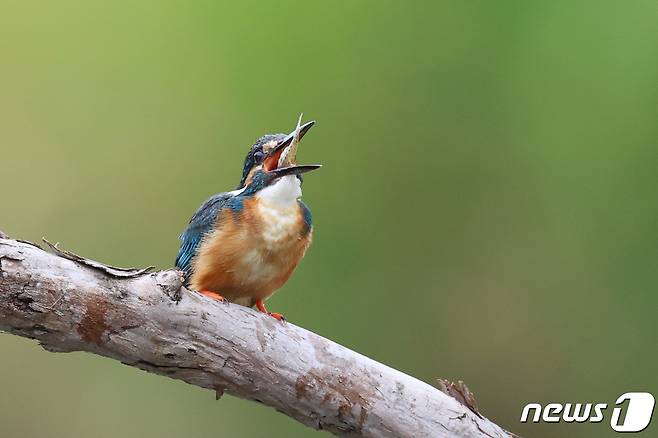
<point>280,211</point>
<point>283,193</point>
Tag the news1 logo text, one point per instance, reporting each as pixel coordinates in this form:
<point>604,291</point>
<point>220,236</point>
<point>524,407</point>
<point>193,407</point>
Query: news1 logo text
<point>632,412</point>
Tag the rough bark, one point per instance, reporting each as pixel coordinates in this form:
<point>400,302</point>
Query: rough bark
<point>150,321</point>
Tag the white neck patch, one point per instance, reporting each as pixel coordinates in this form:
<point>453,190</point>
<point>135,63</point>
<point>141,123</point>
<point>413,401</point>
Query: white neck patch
<point>283,193</point>
<point>280,212</point>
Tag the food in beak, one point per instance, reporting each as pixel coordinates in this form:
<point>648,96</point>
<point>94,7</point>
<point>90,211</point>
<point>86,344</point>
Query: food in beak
<point>284,154</point>
<point>289,155</point>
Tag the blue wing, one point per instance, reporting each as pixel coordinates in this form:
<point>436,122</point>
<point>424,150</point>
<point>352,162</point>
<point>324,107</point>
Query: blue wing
<point>201,223</point>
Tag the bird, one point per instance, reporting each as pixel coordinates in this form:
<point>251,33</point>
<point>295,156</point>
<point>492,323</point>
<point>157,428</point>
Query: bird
<point>242,246</point>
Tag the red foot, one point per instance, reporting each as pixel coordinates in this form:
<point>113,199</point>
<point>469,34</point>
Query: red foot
<point>260,304</point>
<point>213,295</point>
<point>277,316</point>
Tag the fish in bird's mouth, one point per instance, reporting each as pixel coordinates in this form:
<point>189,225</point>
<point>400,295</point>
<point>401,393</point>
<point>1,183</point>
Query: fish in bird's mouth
<point>284,153</point>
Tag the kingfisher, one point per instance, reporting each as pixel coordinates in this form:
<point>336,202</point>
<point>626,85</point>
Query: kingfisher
<point>242,246</point>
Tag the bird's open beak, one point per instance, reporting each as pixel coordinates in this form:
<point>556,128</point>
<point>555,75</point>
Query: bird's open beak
<point>284,154</point>
<point>294,170</point>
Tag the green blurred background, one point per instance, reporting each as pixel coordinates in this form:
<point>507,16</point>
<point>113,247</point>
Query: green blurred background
<point>487,210</point>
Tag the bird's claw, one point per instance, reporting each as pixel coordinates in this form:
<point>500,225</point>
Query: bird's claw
<point>277,316</point>
<point>214,296</point>
<point>260,305</point>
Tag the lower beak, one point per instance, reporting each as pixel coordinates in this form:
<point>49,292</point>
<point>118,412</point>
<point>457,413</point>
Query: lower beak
<point>294,170</point>
<point>284,154</point>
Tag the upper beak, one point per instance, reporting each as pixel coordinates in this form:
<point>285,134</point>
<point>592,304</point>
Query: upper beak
<point>285,152</point>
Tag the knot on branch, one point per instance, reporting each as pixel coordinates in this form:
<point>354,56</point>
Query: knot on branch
<point>171,283</point>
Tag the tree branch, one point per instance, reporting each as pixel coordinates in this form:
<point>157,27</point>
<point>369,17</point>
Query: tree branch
<point>151,322</point>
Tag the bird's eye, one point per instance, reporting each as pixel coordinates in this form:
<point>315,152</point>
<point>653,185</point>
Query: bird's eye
<point>258,156</point>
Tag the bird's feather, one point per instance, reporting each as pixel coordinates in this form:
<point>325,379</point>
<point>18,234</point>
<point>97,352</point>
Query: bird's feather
<point>201,223</point>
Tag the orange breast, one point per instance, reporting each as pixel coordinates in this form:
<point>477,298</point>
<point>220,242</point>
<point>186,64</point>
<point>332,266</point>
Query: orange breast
<point>252,253</point>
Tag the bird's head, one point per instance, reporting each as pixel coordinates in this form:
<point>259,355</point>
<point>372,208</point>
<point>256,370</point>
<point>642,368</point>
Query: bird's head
<point>273,151</point>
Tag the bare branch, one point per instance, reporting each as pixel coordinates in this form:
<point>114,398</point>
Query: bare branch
<point>151,322</point>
